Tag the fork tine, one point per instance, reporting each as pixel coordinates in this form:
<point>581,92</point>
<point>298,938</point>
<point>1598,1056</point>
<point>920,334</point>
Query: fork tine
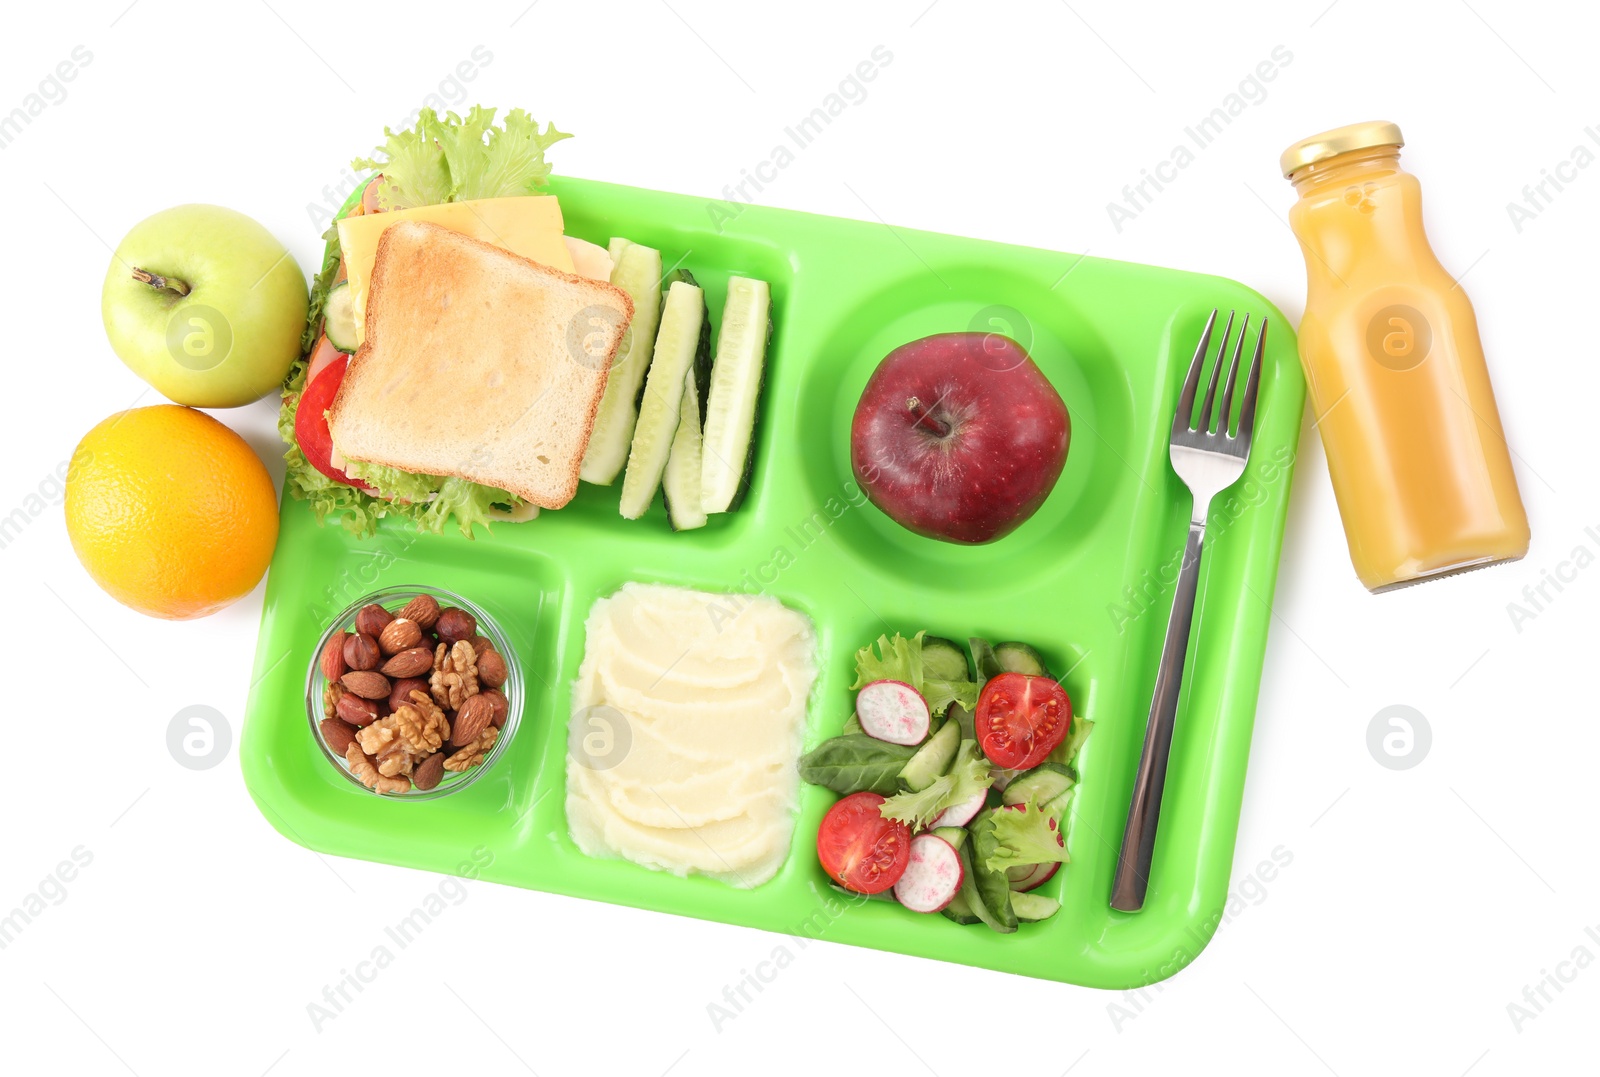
<point>1226,404</point>
<point>1247,412</point>
<point>1211,389</point>
<point>1191,382</point>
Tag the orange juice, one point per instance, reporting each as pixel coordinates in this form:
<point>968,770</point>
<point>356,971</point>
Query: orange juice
<point>1395,370</point>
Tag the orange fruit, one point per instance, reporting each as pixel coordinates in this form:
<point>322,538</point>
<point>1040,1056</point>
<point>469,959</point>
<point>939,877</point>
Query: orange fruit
<point>170,511</point>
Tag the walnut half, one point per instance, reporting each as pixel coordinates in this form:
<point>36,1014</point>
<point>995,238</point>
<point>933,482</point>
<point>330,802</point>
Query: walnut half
<point>455,675</point>
<point>366,772</point>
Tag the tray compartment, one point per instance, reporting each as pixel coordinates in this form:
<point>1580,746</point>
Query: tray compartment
<point>1112,336</point>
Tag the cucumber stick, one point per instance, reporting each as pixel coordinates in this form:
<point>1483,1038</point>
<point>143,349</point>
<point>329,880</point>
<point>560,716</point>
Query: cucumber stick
<point>637,272</point>
<point>735,389</point>
<point>616,247</point>
<point>683,316</point>
<point>680,483</point>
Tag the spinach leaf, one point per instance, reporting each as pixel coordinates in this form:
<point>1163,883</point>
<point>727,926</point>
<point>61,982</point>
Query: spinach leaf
<point>854,762</point>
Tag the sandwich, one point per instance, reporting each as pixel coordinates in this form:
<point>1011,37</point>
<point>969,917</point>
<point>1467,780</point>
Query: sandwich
<point>466,369</point>
<point>458,344</point>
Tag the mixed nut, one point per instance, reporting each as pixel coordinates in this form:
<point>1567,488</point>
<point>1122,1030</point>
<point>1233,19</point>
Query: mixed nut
<point>411,694</point>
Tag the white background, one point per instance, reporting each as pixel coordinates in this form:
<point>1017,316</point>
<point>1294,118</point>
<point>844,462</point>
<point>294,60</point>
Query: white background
<point>1418,904</point>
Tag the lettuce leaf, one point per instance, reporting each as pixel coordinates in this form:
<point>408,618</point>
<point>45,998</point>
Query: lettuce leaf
<point>431,500</point>
<point>897,659</point>
<point>968,776</point>
<point>1024,836</point>
<point>451,159</point>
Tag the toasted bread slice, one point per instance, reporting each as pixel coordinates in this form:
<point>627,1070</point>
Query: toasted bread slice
<point>478,363</point>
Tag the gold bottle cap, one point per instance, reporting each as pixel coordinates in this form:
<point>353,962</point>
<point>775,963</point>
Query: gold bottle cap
<point>1355,136</point>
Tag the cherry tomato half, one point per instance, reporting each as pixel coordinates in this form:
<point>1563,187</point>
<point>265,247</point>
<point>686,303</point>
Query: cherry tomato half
<point>1021,719</point>
<point>311,422</point>
<point>859,848</point>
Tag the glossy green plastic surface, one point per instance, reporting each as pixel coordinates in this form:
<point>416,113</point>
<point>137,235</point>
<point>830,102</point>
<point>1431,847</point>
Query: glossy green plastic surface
<point>1088,581</point>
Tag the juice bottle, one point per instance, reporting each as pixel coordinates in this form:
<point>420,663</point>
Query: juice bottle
<point>1395,370</point>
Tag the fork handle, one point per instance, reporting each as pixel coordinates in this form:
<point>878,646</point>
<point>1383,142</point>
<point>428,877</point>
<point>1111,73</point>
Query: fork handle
<point>1132,879</point>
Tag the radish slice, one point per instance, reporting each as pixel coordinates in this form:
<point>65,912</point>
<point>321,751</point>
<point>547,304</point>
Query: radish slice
<point>1025,877</point>
<point>932,877</point>
<point>893,711</point>
<point>960,814</point>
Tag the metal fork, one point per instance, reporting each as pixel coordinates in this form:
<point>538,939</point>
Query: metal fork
<point>1208,461</point>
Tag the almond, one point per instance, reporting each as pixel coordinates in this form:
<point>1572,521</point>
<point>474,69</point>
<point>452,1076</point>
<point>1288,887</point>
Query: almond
<point>355,710</point>
<point>423,610</point>
<point>401,692</point>
<point>502,706</point>
<point>361,652</point>
<point>333,663</point>
<point>372,619</point>
<point>455,624</point>
<point>472,719</point>
<point>409,663</point>
<point>367,684</point>
<point>399,635</point>
<point>337,735</point>
<point>428,772</point>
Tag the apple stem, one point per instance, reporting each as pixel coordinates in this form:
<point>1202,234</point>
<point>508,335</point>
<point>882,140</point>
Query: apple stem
<point>925,419</point>
<point>160,283</point>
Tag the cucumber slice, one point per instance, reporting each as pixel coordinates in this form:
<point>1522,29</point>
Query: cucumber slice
<point>339,318</point>
<point>1032,907</point>
<point>735,389</point>
<point>944,659</point>
<point>683,317</point>
<point>1056,807</point>
<point>637,272</point>
<point>932,759</point>
<point>1020,658</point>
<point>955,835</point>
<point>1039,786</point>
<point>680,483</point>
<point>984,660</point>
<point>974,900</point>
<point>959,910</point>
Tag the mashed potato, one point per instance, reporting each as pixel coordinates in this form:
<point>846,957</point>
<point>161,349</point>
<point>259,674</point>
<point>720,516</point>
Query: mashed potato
<point>687,721</point>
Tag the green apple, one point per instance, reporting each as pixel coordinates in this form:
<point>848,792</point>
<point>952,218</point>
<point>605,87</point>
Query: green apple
<point>205,305</point>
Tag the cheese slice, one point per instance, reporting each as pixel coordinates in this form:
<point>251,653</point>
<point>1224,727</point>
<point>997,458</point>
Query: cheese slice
<point>529,225</point>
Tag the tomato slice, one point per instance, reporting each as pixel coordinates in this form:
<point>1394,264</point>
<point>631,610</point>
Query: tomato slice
<point>311,422</point>
<point>1021,719</point>
<point>860,849</point>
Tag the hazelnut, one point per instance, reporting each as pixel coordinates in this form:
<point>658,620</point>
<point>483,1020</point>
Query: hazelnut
<point>424,610</point>
<point>333,663</point>
<point>372,619</point>
<point>399,635</point>
<point>492,669</point>
<point>401,692</point>
<point>502,706</point>
<point>481,644</point>
<point>361,652</point>
<point>455,624</point>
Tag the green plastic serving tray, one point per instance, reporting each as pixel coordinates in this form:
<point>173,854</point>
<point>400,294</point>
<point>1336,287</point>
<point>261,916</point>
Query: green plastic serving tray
<point>1087,580</point>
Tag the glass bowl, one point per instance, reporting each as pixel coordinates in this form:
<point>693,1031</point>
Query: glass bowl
<point>392,598</point>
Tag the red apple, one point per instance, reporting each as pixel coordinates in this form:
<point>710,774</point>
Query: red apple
<point>959,436</point>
